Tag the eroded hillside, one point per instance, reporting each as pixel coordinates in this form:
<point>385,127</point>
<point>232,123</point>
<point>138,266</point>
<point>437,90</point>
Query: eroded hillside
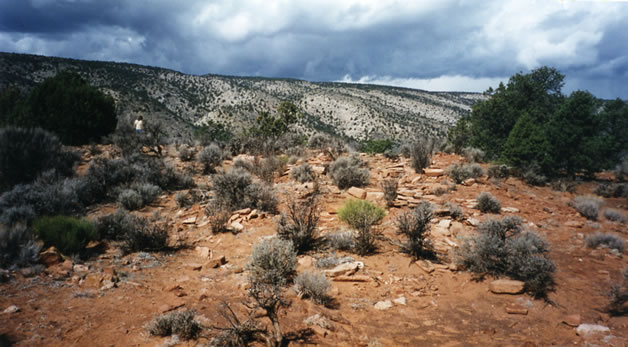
<point>183,101</point>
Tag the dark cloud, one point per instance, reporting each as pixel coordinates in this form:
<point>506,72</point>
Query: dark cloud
<point>444,44</point>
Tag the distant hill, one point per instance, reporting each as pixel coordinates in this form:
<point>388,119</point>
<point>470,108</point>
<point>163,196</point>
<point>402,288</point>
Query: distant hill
<point>357,111</point>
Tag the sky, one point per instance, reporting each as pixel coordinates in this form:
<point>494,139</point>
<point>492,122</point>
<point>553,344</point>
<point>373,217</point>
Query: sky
<point>439,45</point>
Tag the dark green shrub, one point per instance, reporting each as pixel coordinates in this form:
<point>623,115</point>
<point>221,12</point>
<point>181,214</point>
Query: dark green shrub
<point>183,324</point>
<point>488,203</point>
<point>347,172</point>
<point>415,225</point>
<point>532,176</point>
<point>501,247</point>
<point>68,234</point>
<point>17,246</point>
<point>421,154</point>
<point>302,173</point>
<point>26,153</point>
<point>605,239</point>
<point>298,224</point>
<point>612,190</point>
<point>313,285</point>
<point>587,205</point>
<point>621,170</point>
<point>377,146</point>
<point>68,106</point>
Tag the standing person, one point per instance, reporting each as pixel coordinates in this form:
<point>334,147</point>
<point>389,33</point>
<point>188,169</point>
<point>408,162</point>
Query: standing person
<point>139,125</point>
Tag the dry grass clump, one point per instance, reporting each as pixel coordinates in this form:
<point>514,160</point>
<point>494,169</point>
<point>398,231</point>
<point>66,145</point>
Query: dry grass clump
<point>587,205</point>
<point>488,203</point>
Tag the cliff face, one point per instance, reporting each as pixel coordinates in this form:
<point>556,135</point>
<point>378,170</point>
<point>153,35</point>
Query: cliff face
<point>183,101</point>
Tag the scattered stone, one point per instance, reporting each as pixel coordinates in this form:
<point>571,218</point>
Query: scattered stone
<point>235,226</point>
<point>445,223</point>
<point>468,182</point>
<point>400,301</point>
<point>433,172</point>
<point>456,228</point>
<point>507,287</point>
<point>318,169</point>
<point>438,230</point>
<point>11,309</point>
<point>383,305</point>
<point>28,272</point>
<point>374,196</point>
<point>243,212</point>
<point>352,278</point>
<point>108,285</point>
<point>573,320</point>
<point>574,224</point>
<point>585,330</point>
<point>50,257</point>
<point>357,192</point>
<point>80,268</point>
<point>216,263</point>
<point>306,261</point>
<point>425,265</point>
<point>345,269</point>
<point>203,252</point>
<point>473,222</point>
<point>442,212</point>
<point>510,210</point>
<point>165,308</point>
<point>191,220</point>
<point>516,309</point>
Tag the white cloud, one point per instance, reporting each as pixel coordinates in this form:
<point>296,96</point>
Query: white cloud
<point>441,83</point>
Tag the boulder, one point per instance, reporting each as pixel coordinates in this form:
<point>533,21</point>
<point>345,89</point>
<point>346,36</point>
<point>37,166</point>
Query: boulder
<point>400,301</point>
<point>573,320</point>
<point>507,287</point>
<point>374,196</point>
<point>357,192</point>
<point>216,263</point>
<point>203,252</point>
<point>585,330</point>
<point>345,269</point>
<point>383,305</point>
<point>510,210</point>
<point>191,220</point>
<point>50,257</point>
<point>516,309</point>
<point>433,172</point>
<point>426,265</point>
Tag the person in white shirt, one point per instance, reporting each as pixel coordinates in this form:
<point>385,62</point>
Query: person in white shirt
<point>139,125</point>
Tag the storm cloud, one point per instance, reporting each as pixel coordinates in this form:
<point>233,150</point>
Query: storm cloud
<point>434,45</point>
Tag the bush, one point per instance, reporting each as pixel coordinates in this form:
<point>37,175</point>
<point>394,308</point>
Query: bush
<point>612,190</point>
<point>210,157</point>
<point>235,189</point>
<point>182,324</point>
<point>273,261</point>
<point>182,199</point>
<point>151,236</point>
<point>302,173</point>
<point>563,185</point>
<point>503,248</point>
<point>68,234</point>
<point>298,225</point>
<point>473,155</point>
<point>389,187</point>
<point>377,146</point>
<point>532,176</point>
<point>238,333</point>
<point>421,155</point>
<point>71,108</point>
<point>347,172</point>
<point>621,170</point>
<point>117,225</point>
<point>488,203</point>
<point>17,214</point>
<point>266,168</point>
<point>619,295</point>
<point>455,211</point>
<point>460,173</point>
<point>342,240</point>
<point>186,153</point>
<point>608,240</point>
<point>130,199</point>
<point>26,153</point>
<point>415,225</point>
<point>614,215</point>
<point>244,164</point>
<point>499,171</point>
<point>318,141</point>
<point>587,205</point>
<point>362,215</point>
<point>218,217</point>
<point>314,286</point>
<point>17,246</point>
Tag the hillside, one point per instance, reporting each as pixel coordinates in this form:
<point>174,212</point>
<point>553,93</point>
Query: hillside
<point>183,101</point>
